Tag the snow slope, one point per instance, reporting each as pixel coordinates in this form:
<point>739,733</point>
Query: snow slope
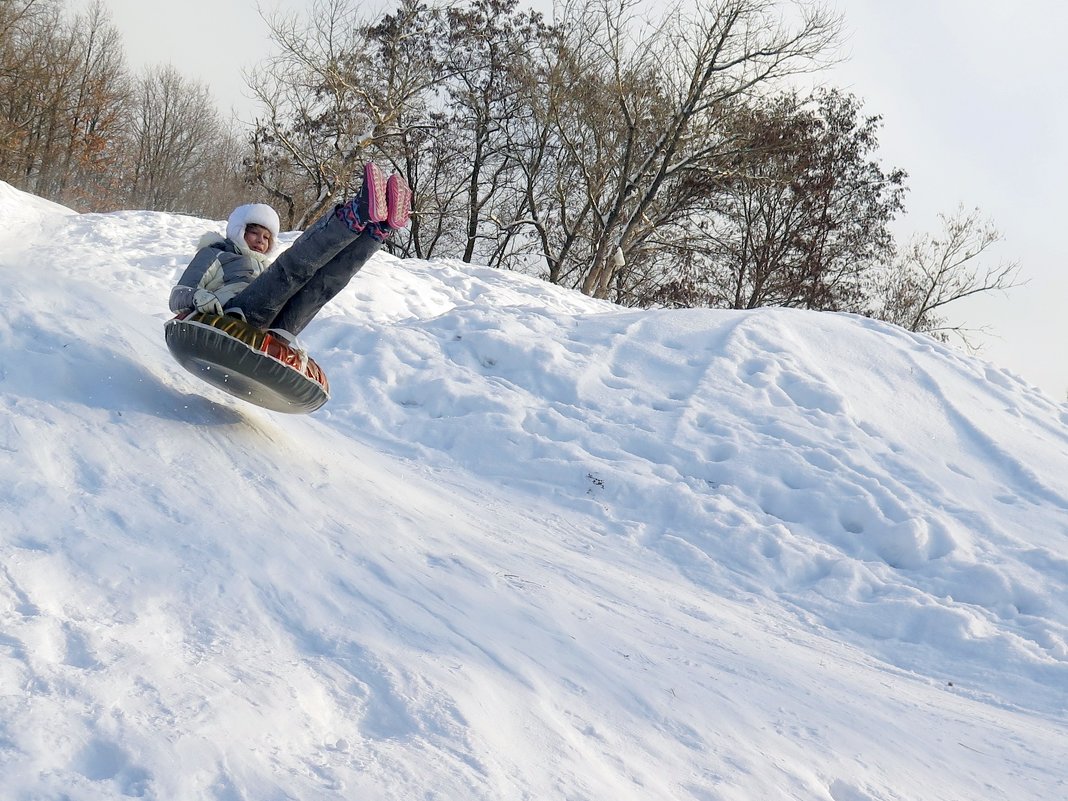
<point>535,547</point>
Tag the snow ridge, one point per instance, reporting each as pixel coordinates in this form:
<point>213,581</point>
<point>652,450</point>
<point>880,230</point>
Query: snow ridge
<point>536,546</point>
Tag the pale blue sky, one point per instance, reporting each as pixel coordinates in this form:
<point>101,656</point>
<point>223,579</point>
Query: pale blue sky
<point>971,93</point>
<point>972,96</point>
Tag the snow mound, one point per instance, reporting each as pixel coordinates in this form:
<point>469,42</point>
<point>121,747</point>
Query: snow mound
<point>536,546</point>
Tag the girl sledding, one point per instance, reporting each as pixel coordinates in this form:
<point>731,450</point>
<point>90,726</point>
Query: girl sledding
<point>239,310</point>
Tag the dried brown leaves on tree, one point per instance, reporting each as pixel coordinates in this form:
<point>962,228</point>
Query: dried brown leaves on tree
<point>797,219</point>
<point>75,127</point>
<point>62,89</point>
<point>649,115</point>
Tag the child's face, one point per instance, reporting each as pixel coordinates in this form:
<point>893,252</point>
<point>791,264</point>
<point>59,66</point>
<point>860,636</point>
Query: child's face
<point>257,238</point>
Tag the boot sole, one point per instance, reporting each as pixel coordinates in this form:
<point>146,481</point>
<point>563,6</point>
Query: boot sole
<point>399,201</point>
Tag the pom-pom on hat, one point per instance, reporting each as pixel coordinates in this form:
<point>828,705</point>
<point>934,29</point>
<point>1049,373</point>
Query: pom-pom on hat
<point>257,213</point>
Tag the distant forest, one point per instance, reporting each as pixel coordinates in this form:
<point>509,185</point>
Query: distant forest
<point>655,164</point>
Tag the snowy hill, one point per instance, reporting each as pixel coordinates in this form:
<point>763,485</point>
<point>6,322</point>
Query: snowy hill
<point>535,547</point>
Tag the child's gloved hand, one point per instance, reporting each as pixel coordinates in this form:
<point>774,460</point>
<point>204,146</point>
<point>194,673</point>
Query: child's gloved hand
<point>206,302</point>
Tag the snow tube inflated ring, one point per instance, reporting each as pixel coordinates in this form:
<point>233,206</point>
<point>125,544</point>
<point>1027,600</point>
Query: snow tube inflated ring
<point>246,362</point>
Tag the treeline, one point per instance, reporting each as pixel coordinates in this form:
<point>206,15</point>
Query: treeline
<point>655,164</point>
<point>78,128</point>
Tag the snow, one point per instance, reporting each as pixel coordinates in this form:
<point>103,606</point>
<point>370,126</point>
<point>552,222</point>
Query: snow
<point>535,547</point>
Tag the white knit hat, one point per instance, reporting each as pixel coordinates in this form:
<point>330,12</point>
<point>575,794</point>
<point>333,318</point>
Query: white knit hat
<point>254,213</point>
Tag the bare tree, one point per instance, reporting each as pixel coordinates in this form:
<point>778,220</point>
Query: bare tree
<point>406,62</point>
<point>61,99</point>
<point>481,116</point>
<point>575,141</point>
<point>26,27</point>
<point>96,107</point>
<point>801,220</point>
<point>180,154</point>
<point>648,111</point>
<point>219,184</point>
<point>336,92</point>
<point>73,128</point>
<point>316,124</point>
<point>935,271</point>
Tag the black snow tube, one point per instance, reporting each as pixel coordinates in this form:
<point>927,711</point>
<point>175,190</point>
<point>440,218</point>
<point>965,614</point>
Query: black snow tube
<point>246,362</point>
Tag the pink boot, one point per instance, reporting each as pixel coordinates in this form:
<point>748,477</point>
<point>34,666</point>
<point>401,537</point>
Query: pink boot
<point>370,207</point>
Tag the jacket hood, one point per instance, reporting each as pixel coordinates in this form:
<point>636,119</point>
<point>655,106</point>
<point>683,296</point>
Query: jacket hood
<point>211,238</point>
